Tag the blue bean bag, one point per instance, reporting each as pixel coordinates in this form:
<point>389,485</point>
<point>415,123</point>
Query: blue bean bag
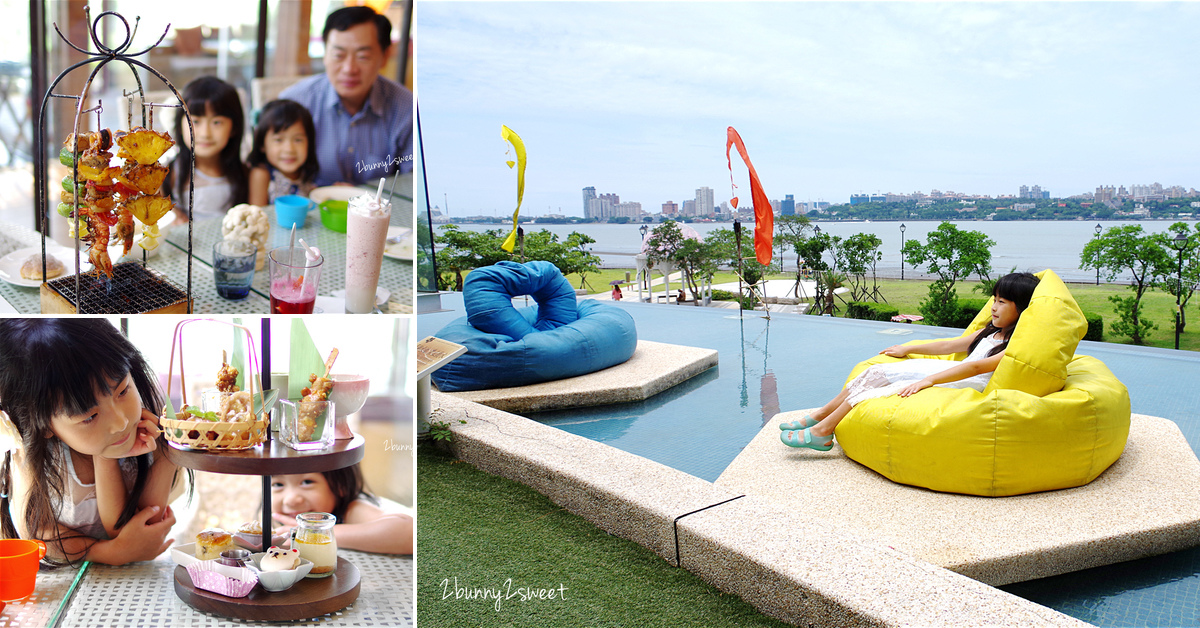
<point>508,347</point>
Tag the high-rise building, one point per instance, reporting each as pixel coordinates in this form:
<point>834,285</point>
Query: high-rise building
<point>599,209</point>
<point>614,199</point>
<point>704,201</point>
<point>788,206</point>
<point>856,199</point>
<point>689,208</point>
<point>670,208</point>
<point>589,193</point>
<point>1024,193</point>
<point>628,209</point>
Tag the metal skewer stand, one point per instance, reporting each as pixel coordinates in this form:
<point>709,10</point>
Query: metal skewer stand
<point>134,288</point>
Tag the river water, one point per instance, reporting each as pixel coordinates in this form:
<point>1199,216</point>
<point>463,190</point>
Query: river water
<point>1026,245</point>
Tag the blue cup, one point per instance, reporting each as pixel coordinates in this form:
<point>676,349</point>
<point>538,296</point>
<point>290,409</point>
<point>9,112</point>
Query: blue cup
<point>233,268</point>
<point>291,210</point>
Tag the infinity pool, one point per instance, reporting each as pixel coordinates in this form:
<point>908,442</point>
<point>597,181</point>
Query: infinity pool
<point>791,362</point>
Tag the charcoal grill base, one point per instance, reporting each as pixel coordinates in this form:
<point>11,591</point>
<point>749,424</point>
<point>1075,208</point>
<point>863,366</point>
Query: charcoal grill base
<point>134,289</point>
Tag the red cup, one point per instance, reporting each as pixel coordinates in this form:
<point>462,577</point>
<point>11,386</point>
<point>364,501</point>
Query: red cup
<point>18,567</point>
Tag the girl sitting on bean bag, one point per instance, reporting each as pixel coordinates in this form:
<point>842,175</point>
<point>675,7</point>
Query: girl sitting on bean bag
<point>1012,294</point>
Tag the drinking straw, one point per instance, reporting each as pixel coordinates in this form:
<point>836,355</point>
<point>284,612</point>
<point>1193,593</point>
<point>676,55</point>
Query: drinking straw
<point>292,245</point>
<point>392,190</point>
<point>379,192</point>
<point>310,255</point>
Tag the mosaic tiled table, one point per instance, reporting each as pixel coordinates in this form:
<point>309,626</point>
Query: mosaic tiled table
<point>142,594</point>
<point>169,261</point>
<point>172,260</point>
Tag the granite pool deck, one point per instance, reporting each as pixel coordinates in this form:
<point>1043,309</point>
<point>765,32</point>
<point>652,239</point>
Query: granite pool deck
<point>654,367</point>
<point>1145,504</point>
<point>755,546</point>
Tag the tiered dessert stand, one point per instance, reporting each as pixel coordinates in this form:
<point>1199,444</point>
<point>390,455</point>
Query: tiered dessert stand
<point>310,597</point>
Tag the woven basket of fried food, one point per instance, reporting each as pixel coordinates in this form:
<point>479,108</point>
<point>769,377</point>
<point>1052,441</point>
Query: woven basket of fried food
<point>226,421</point>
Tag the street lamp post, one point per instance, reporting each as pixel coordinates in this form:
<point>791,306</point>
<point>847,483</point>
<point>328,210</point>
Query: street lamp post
<point>1179,243</point>
<point>902,251</point>
<point>1098,230</point>
<point>645,276</point>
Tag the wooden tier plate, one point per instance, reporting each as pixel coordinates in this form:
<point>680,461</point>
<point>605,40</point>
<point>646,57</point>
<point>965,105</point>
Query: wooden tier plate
<point>272,458</point>
<point>311,597</point>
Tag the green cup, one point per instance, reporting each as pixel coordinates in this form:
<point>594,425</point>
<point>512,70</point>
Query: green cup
<point>333,215</point>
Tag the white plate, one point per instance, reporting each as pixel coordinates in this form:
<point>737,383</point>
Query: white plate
<point>184,555</point>
<point>10,265</point>
<point>335,192</point>
<point>381,295</point>
<point>405,249</point>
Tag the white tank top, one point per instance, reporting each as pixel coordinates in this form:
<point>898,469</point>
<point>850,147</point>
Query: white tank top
<point>81,512</point>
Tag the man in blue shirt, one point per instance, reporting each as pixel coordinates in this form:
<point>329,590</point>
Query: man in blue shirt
<point>363,120</point>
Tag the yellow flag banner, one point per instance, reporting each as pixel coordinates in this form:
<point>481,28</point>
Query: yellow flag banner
<point>519,146</point>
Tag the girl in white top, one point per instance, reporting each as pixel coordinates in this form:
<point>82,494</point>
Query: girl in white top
<point>79,420</point>
<point>221,179</point>
<point>1011,296</point>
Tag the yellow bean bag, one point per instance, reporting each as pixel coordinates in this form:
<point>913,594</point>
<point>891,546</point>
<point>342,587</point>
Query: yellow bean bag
<point>1046,420</point>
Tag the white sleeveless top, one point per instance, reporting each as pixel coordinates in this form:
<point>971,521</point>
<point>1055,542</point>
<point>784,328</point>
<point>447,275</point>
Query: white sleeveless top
<point>81,512</point>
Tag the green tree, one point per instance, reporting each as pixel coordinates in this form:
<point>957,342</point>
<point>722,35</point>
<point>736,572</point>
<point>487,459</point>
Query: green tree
<point>1189,270</point>
<point>462,251</point>
<point>812,252</point>
<point>855,257</point>
<point>578,259</point>
<point>725,243</point>
<point>1128,248</point>
<point>697,259</point>
<point>951,254</point>
<point>789,231</point>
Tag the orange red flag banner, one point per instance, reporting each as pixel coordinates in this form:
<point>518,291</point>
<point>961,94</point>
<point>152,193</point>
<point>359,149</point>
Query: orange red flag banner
<point>764,219</point>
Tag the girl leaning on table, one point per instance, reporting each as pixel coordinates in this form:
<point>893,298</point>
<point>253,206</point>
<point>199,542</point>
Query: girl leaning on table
<point>79,422</point>
<point>361,524</point>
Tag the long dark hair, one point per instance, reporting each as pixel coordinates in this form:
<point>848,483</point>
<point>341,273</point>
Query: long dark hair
<point>276,116</point>
<point>1017,288</point>
<point>200,96</point>
<point>347,485</point>
<point>55,365</point>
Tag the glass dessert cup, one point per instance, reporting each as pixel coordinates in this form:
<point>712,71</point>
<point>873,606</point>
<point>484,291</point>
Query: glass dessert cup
<point>349,393</point>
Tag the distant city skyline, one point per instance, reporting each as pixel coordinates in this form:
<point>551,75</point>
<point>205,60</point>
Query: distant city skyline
<point>832,99</point>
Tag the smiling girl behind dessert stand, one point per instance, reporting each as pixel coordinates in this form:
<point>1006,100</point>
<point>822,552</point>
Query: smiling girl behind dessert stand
<point>361,524</point>
<point>283,158</point>
<point>78,422</point>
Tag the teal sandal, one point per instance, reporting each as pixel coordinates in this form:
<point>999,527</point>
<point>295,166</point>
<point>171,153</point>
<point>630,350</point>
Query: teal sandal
<point>807,421</point>
<point>804,438</point>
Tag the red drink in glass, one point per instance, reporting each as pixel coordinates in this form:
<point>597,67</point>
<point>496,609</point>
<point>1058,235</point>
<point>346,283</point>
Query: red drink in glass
<point>293,281</point>
<point>279,306</point>
<point>292,297</point>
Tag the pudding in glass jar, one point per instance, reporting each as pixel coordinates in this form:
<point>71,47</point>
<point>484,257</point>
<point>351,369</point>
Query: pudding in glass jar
<point>313,536</point>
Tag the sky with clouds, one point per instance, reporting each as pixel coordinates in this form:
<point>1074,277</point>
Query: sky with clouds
<point>831,99</point>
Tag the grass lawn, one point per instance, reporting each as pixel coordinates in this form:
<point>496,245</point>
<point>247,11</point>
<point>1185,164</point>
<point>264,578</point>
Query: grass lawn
<point>483,530</point>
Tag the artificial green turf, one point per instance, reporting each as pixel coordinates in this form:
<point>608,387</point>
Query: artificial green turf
<point>484,530</point>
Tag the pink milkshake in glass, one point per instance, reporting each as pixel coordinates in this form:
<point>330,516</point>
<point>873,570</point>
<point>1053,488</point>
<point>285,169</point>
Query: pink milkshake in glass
<point>366,234</point>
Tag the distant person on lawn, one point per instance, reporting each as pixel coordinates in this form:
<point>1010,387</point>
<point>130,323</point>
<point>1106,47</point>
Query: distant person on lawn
<point>364,121</point>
